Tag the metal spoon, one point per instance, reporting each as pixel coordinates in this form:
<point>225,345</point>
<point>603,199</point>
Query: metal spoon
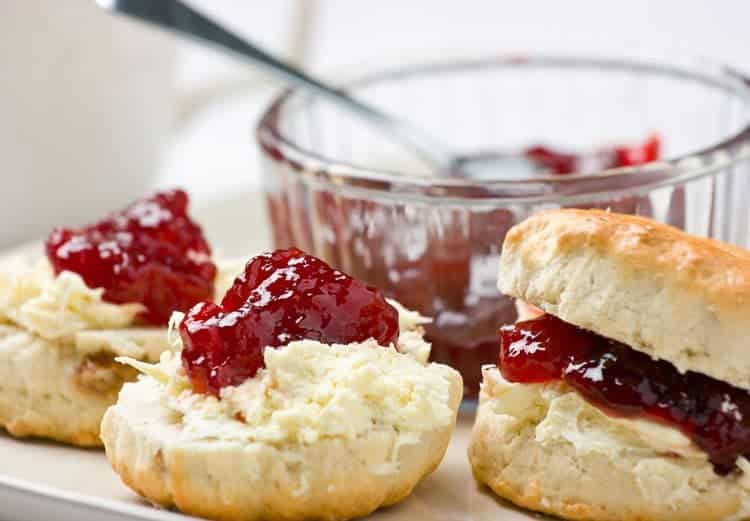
<point>182,19</point>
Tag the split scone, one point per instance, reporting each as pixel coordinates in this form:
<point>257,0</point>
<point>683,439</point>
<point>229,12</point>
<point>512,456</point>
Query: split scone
<point>303,395</point>
<point>629,398</point>
<point>102,291</point>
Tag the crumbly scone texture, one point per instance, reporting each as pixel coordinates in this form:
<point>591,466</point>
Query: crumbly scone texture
<point>330,479</point>
<point>659,290</point>
<point>53,391</point>
<point>585,466</point>
<point>58,341</point>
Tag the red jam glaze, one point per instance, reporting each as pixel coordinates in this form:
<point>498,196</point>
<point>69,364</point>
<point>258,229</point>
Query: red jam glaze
<point>151,253</point>
<point>556,162</point>
<point>625,382</point>
<point>280,297</point>
<point>609,157</point>
<point>639,154</point>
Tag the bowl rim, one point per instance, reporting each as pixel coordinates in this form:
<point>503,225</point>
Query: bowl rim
<point>317,170</point>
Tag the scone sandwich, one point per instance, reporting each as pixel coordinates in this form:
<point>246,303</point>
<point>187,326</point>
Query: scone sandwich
<point>304,394</point>
<point>629,398</point>
<point>101,291</point>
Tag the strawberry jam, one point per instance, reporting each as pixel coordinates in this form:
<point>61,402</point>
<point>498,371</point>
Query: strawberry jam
<point>626,382</point>
<point>281,296</point>
<point>151,253</point>
<point>555,162</point>
<point>558,162</point>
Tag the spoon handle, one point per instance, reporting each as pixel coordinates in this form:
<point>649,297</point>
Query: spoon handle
<point>182,19</point>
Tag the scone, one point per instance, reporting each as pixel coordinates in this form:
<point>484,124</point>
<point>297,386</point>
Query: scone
<point>629,398</point>
<point>303,395</point>
<point>102,291</point>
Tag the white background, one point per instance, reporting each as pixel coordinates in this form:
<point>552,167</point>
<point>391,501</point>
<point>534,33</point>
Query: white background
<point>341,38</point>
<point>218,99</point>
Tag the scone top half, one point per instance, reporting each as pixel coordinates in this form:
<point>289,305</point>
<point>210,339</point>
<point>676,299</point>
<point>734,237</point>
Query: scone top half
<point>659,290</point>
<point>302,394</point>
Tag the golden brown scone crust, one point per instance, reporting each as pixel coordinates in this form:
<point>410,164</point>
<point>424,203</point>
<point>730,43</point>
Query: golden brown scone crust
<point>330,480</point>
<point>51,391</point>
<point>657,289</point>
<point>533,470</point>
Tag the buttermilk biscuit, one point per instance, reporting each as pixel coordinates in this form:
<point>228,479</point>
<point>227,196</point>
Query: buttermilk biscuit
<point>659,290</point>
<point>545,448</point>
<point>322,432</point>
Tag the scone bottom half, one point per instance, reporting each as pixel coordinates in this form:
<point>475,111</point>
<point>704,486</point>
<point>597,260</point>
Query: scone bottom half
<point>101,291</point>
<point>302,394</point>
<point>579,424</point>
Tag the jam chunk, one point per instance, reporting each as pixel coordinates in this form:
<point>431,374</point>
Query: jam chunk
<point>151,253</point>
<point>622,381</point>
<point>280,297</point>
<point>558,162</point>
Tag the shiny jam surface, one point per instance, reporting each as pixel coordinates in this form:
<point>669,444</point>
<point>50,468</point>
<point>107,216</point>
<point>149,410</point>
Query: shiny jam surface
<point>626,382</point>
<point>280,297</point>
<point>151,253</point>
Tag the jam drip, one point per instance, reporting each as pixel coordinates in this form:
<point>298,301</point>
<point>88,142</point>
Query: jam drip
<point>626,382</point>
<point>280,297</point>
<point>150,253</point>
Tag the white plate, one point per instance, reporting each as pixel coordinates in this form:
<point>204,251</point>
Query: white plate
<point>40,480</point>
<point>43,480</point>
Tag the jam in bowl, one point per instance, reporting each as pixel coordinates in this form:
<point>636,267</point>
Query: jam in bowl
<point>432,240</point>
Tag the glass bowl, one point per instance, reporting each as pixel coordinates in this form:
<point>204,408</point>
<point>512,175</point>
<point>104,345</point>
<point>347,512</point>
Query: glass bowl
<point>342,191</point>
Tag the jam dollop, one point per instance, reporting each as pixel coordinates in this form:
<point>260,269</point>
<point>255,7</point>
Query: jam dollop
<point>150,253</point>
<point>281,296</point>
<point>622,381</point>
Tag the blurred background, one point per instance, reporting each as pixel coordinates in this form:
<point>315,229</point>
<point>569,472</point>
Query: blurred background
<point>96,110</point>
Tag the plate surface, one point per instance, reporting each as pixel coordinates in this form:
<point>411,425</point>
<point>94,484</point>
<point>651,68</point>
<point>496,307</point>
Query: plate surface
<point>40,480</point>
